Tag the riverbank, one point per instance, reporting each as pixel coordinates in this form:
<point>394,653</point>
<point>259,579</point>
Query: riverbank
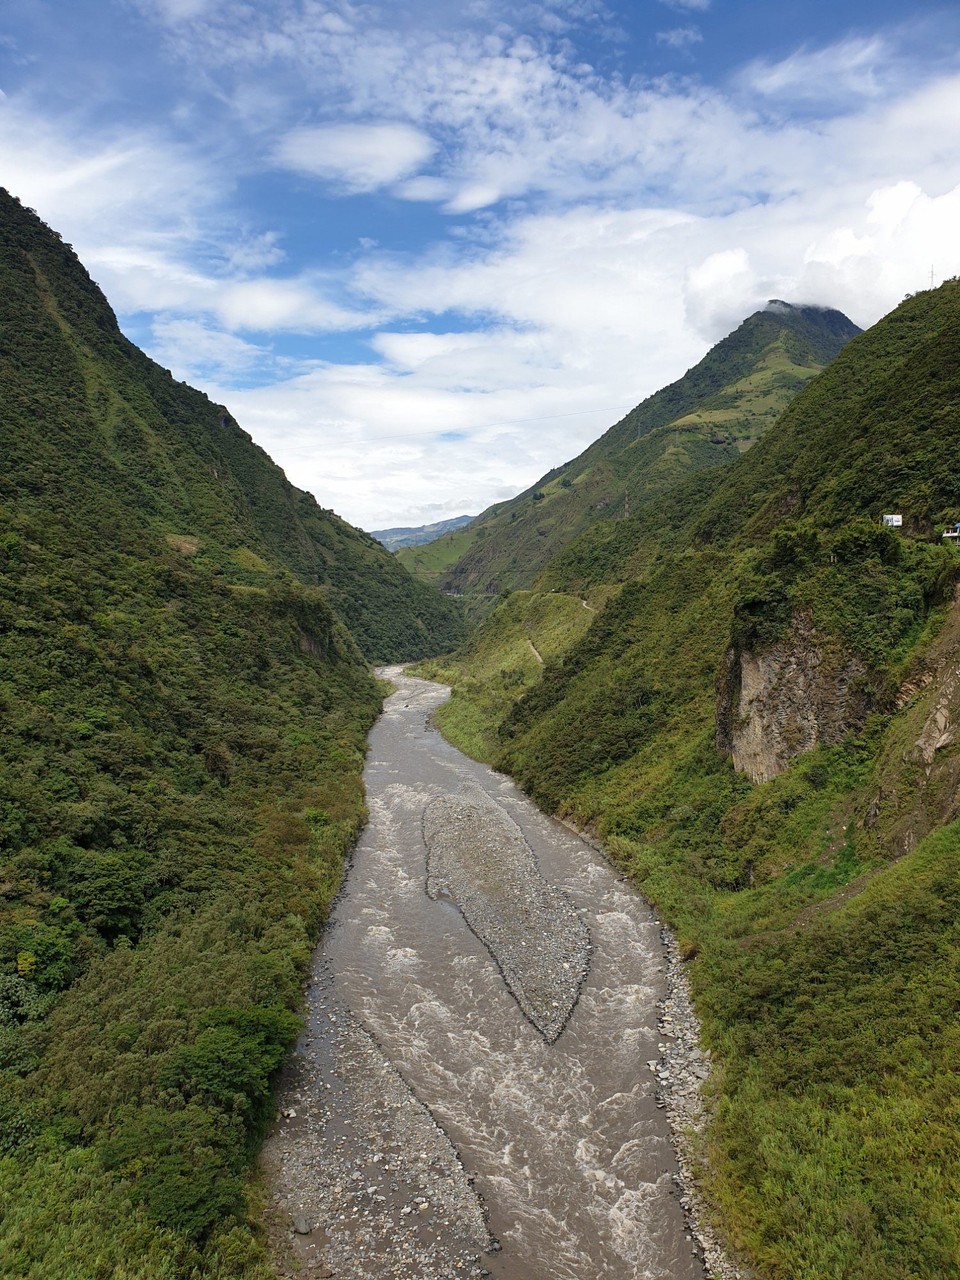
<point>682,1070</point>
<point>365,1183</point>
<point>565,1145</point>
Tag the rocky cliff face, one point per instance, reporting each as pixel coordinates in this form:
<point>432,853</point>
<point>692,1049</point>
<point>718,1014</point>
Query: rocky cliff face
<point>795,695</point>
<point>918,776</point>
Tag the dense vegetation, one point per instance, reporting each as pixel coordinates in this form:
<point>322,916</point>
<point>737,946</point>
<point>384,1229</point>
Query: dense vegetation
<point>716,411</point>
<point>184,713</point>
<point>818,909</point>
<point>89,418</point>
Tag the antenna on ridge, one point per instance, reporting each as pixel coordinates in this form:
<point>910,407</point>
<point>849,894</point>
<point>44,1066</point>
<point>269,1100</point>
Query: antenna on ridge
<point>931,275</point>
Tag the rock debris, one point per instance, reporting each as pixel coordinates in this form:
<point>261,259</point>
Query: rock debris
<point>477,856</point>
<point>366,1186</point>
<point>681,1070</point>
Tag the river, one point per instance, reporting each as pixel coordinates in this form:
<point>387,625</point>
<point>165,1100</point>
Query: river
<point>422,1099</point>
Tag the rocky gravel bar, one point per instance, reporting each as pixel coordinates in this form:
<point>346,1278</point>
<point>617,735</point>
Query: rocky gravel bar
<point>681,1071</point>
<point>478,858</point>
<point>366,1186</point>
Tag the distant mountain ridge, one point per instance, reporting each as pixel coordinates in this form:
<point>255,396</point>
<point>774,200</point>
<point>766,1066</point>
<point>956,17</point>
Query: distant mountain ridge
<point>419,535</point>
<point>711,415</point>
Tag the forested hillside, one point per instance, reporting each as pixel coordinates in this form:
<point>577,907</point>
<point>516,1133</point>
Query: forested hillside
<point>95,430</point>
<point>184,700</point>
<point>762,722</point>
<point>711,415</point>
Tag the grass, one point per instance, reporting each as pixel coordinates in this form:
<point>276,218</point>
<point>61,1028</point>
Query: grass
<point>819,910</point>
<point>432,560</point>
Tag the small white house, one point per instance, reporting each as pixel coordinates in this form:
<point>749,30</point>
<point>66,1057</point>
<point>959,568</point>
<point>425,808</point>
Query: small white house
<point>952,535</point>
<point>894,521</point>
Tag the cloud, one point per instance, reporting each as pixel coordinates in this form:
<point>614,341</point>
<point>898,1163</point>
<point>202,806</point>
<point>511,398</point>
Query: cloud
<point>176,12</point>
<point>680,37</point>
<point>501,115</point>
<point>297,305</point>
<point>194,350</point>
<point>147,218</point>
<point>852,69</point>
<point>254,252</point>
<point>371,444</point>
<point>360,157</point>
<point>692,6</point>
<point>137,177</point>
<point>720,291</point>
<point>603,234</point>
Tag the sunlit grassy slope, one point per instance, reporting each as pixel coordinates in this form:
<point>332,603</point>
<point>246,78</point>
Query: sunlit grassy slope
<point>707,418</point>
<point>501,661</point>
<point>431,561</point>
<point>819,910</point>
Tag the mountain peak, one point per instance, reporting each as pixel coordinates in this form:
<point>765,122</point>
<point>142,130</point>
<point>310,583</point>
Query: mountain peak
<point>711,415</point>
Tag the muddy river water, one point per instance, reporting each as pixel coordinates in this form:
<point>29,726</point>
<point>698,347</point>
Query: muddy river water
<point>425,1102</point>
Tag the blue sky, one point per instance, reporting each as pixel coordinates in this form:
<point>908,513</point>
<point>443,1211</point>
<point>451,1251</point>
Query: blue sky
<point>427,251</point>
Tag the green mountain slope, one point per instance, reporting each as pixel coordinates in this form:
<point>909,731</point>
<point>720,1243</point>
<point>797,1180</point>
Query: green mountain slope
<point>431,561</point>
<point>762,722</point>
<point>711,415</point>
<point>91,422</point>
<point>184,713</point>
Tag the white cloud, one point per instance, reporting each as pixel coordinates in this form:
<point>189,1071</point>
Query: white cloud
<point>146,217</point>
<point>720,291</point>
<point>645,221</point>
<point>194,350</point>
<point>693,6</point>
<point>253,253</point>
<point>371,443</point>
<point>175,12</point>
<point>851,69</point>
<point>360,157</point>
<point>296,305</point>
<point>136,177</point>
<point>680,37</point>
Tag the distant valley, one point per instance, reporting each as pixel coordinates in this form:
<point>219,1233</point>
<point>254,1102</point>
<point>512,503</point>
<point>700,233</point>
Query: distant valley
<point>420,535</point>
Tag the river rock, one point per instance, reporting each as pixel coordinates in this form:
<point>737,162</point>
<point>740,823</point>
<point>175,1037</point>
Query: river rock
<point>477,857</point>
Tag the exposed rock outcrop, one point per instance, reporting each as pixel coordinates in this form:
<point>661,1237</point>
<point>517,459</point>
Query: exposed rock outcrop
<point>942,725</point>
<point>801,692</point>
<point>920,768</point>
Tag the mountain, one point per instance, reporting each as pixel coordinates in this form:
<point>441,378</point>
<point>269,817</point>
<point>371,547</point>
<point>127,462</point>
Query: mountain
<point>711,415</point>
<point>94,430</point>
<point>394,539</point>
<point>185,698</point>
<point>748,690</point>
